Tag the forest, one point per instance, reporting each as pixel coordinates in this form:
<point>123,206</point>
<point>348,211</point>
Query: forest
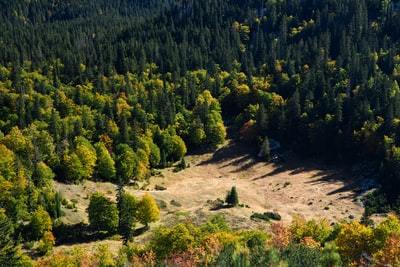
<point>114,90</point>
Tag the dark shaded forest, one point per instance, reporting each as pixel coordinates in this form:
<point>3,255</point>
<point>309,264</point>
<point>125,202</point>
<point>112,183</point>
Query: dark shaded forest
<point>112,90</point>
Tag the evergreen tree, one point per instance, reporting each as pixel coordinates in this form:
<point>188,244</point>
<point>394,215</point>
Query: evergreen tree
<point>9,253</point>
<point>265,152</point>
<point>232,197</point>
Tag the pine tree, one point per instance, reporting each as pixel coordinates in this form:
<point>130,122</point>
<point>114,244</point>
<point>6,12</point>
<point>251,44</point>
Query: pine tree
<point>10,255</point>
<point>232,197</point>
<point>265,152</point>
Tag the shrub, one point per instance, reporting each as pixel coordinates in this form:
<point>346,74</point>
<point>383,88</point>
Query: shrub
<point>266,216</point>
<point>161,204</point>
<point>175,203</point>
<point>159,187</point>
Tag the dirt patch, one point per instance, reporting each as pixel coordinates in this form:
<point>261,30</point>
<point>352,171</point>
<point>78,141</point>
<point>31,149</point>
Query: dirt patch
<point>295,186</point>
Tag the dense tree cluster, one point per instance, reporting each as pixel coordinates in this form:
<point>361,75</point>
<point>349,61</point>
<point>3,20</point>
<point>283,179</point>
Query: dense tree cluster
<point>109,217</point>
<point>109,90</point>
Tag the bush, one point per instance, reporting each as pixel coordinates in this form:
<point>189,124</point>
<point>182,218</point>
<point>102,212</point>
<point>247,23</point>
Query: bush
<point>181,166</point>
<point>175,203</point>
<point>266,216</point>
<point>70,206</point>
<point>161,204</point>
<point>376,202</point>
<point>216,204</point>
<point>159,187</point>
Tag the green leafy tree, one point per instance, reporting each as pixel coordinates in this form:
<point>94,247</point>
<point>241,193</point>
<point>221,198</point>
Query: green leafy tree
<point>167,241</point>
<point>51,201</point>
<point>127,207</point>
<point>232,197</point>
<point>319,230</point>
<point>43,175</point>
<point>43,143</point>
<point>103,214</point>
<point>72,168</point>
<point>147,210</point>
<point>302,255</point>
<point>126,163</point>
<point>196,133</point>
<point>155,155</point>
<point>214,129</point>
<point>19,144</point>
<point>87,156</point>
<point>179,148</point>
<point>216,224</point>
<point>40,223</point>
<point>7,161</point>
<point>105,165</point>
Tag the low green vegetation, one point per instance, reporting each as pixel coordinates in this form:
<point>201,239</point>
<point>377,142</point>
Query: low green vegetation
<point>266,216</point>
<point>175,203</point>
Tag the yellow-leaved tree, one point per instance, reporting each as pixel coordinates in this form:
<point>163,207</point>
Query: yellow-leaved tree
<point>147,210</point>
<point>355,240</point>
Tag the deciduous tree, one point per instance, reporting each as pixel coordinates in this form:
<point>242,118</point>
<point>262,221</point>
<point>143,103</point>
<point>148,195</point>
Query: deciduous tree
<point>353,240</point>
<point>103,214</point>
<point>40,223</point>
<point>126,163</point>
<point>127,208</point>
<point>105,165</point>
<point>147,210</point>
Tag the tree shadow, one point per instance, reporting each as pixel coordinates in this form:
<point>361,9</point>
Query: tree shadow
<point>220,207</point>
<point>233,150</point>
<point>82,233</point>
<point>236,153</point>
<point>349,184</point>
<point>292,164</point>
<point>327,173</point>
<point>77,233</point>
<point>141,230</point>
